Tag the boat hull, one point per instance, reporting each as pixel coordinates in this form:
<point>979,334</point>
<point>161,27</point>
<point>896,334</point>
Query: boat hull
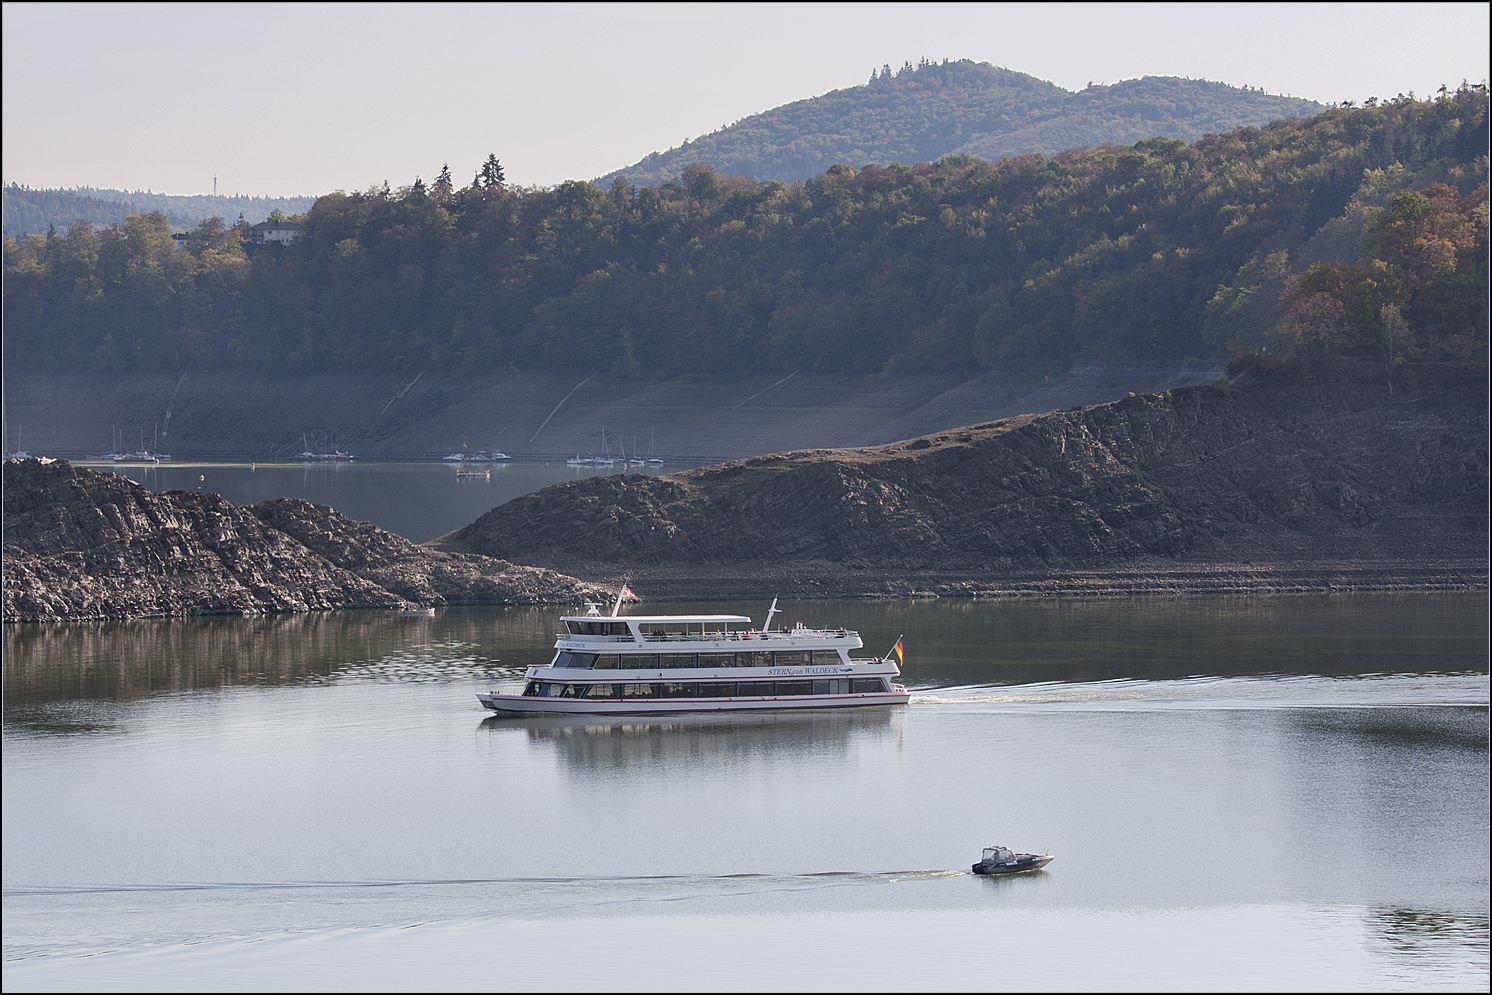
<point>1021,866</point>
<point>517,706</point>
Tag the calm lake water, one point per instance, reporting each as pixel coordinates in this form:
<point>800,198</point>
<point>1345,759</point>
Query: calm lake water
<point>419,501</point>
<point>1284,793</point>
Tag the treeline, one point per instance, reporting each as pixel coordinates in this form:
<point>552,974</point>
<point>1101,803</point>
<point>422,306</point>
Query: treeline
<point>24,211</point>
<point>924,112</point>
<point>1161,252</point>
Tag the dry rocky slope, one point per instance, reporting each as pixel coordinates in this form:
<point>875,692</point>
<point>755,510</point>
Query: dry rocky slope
<point>1275,485</point>
<point>85,544</point>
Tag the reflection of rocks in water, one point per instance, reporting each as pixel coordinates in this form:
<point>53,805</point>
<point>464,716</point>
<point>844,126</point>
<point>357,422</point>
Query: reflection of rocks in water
<point>1419,937</point>
<point>1407,728</point>
<point>592,743</point>
<point>125,660</point>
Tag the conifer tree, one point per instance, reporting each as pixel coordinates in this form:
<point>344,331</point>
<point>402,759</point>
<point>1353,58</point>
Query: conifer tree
<point>491,174</point>
<point>443,188</point>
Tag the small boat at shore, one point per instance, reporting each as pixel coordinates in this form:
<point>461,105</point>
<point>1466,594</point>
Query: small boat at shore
<point>1003,860</point>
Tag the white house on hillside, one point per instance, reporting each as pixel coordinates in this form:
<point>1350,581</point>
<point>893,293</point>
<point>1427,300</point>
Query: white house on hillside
<point>284,232</point>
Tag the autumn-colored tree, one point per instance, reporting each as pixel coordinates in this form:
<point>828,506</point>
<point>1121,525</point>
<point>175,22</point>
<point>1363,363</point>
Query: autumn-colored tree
<point>1160,252</point>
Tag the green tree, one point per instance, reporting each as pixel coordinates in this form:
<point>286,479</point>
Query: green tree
<point>443,188</point>
<point>490,176</point>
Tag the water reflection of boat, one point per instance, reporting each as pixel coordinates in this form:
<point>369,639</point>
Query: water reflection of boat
<point>1003,860</point>
<point>661,664</point>
<point>594,742</point>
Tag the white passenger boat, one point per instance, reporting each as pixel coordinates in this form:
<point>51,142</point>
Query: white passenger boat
<point>657,664</point>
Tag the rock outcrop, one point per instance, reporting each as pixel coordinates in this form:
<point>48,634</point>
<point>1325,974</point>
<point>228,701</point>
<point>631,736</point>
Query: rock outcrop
<point>79,543</point>
<point>417,574</point>
<point>1281,472</point>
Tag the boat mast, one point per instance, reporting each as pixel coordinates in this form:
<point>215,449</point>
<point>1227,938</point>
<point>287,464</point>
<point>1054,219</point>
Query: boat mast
<point>767,626</point>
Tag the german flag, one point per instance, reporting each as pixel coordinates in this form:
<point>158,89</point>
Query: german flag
<point>900,656</point>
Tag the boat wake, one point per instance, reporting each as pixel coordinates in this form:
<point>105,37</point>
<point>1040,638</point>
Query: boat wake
<point>1370,690</point>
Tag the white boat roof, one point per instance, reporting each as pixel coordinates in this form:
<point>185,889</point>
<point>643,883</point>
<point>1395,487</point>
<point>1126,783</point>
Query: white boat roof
<point>687,619</point>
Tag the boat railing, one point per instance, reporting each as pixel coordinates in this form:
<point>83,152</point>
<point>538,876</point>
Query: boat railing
<point>714,637</point>
<point>750,635</point>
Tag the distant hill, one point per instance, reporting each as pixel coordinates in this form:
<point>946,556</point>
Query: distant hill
<point>1359,231</point>
<point>925,112</point>
<point>29,212</point>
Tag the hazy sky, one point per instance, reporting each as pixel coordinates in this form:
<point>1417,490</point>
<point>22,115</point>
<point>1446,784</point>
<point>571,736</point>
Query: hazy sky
<point>305,98</point>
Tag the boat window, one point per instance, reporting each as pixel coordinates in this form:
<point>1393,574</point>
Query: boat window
<point>715,690</point>
<point>747,690</point>
<point>617,629</point>
<point>530,689</point>
<point>548,690</point>
<point>839,687</point>
<point>794,687</point>
<point>573,691</point>
<point>638,691</point>
<point>676,661</point>
<point>791,659</point>
<point>604,691</point>
<point>826,658</point>
<point>606,661</point>
<point>753,659</point>
<point>822,687</point>
<point>715,660</point>
<point>674,690</point>
<point>578,661</point>
<point>663,630</point>
<point>864,685</point>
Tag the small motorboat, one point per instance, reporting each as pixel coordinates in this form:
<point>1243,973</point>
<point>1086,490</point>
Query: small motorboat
<point>1002,860</point>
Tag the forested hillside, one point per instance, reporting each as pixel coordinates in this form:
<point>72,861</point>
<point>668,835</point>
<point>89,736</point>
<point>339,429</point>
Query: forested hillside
<point>27,211</point>
<point>922,113</point>
<point>1359,231</point>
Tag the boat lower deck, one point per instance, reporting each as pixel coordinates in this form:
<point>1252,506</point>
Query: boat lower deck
<point>515,705</point>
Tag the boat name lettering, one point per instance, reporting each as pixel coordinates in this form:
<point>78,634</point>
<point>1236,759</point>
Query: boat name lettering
<point>804,671</point>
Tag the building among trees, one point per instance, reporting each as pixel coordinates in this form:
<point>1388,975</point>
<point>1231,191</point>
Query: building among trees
<point>283,232</point>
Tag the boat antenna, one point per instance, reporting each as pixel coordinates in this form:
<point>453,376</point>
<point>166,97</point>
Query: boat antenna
<point>625,594</point>
<point>767,627</point>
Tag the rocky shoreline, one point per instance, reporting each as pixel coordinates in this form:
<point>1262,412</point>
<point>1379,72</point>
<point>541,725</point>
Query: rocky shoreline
<point>1148,578</point>
<point>1280,485</point>
<point>1277,486</point>
<point>84,544</point>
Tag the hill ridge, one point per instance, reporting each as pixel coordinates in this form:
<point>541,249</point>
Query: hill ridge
<point>926,112</point>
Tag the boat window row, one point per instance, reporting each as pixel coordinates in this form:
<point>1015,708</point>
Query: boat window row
<point>690,661</point>
<point>589,628</point>
<point>703,689</point>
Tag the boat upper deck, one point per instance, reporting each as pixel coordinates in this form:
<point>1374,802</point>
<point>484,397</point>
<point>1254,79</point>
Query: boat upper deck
<point>683,628</point>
